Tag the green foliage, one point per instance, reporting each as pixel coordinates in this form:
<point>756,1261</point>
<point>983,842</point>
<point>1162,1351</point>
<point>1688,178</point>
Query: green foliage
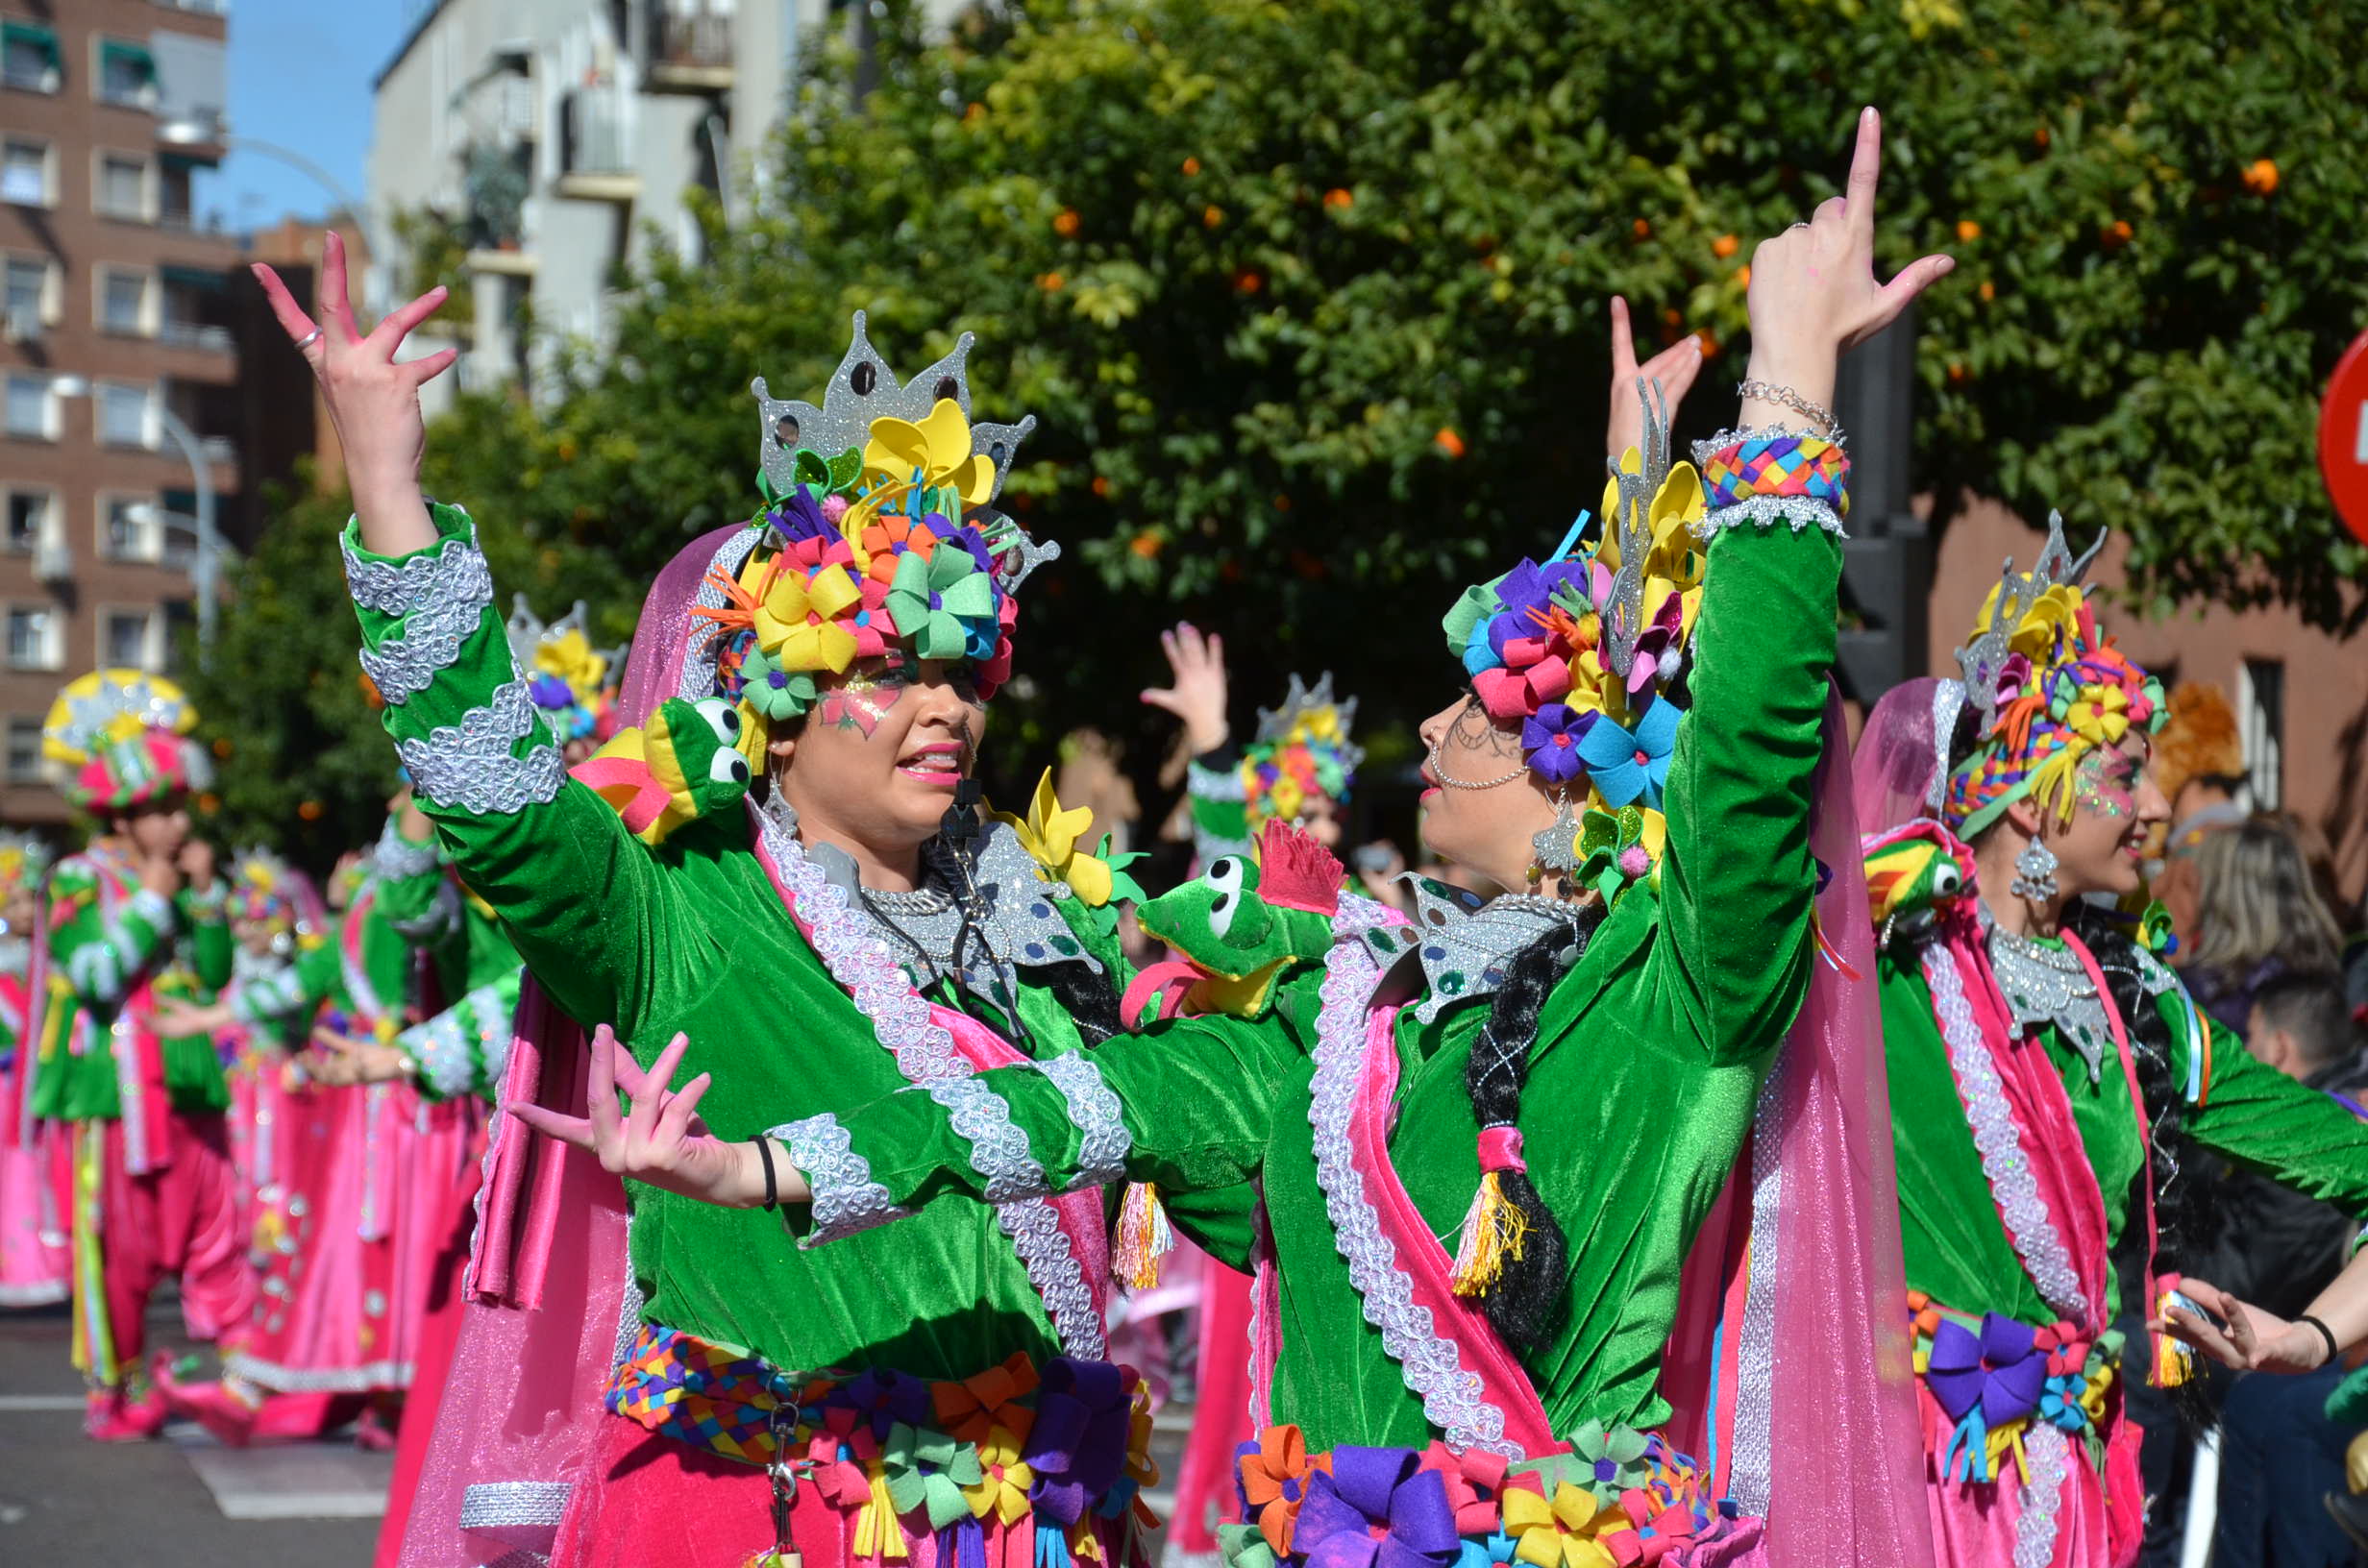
<point>439,254</point>
<point>1309,299</point>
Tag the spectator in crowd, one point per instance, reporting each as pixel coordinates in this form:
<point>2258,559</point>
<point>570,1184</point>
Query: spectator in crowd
<point>2200,767</point>
<point>2259,914</point>
<point>2280,1454</point>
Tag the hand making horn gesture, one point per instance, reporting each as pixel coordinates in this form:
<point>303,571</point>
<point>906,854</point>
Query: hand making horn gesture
<point>373,401</point>
<point>1814,294</point>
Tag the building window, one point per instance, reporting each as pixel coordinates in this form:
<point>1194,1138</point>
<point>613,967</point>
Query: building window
<point>123,415</point>
<point>24,749</point>
<point>36,637</point>
<point>28,56</point>
<point>32,410</point>
<point>2260,720</point>
<point>28,297</point>
<point>131,640</point>
<point>123,185</point>
<point>130,529</point>
<point>123,301</point>
<point>24,172</point>
<point>127,75</point>
<point>28,521</point>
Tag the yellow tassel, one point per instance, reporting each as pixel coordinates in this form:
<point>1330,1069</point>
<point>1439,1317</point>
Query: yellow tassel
<point>1143,1238</point>
<point>1494,1232</point>
<point>2174,1362</point>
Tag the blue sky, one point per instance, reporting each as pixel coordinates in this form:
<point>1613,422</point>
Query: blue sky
<point>300,74</point>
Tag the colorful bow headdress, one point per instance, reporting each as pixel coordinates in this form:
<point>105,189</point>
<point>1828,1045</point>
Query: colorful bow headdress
<point>262,887</point>
<point>123,736</point>
<point>2047,689</point>
<point>24,860</point>
<point>1584,653</point>
<point>1302,748</point>
<point>878,540</point>
<point>572,683</point>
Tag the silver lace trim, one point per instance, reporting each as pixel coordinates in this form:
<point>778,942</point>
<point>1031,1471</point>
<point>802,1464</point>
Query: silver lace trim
<point>397,588</point>
<point>518,1557</point>
<point>1755,1369</point>
<point>398,859</point>
<point>845,1200</point>
<point>441,1049</point>
<point>269,996</point>
<point>2034,1532</point>
<point>1206,783</point>
<point>302,1380</point>
<point>1705,451</point>
<point>469,765</point>
<point>1948,701</point>
<point>1761,511</point>
<point>1103,1141</point>
<point>859,961</point>
<point>1453,1400</point>
<point>443,617</point>
<point>506,1504</point>
<point>2050,985</point>
<point>2011,1184</point>
<point>999,1146</point>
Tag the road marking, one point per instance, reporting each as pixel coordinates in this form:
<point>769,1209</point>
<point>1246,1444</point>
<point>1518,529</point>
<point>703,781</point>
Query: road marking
<point>295,1481</point>
<point>41,1402</point>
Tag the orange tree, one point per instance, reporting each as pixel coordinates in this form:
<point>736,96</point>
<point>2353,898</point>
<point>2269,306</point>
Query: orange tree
<point>1309,299</point>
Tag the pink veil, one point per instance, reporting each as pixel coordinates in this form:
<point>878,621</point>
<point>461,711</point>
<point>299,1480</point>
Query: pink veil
<point>548,1277</point>
<point>1897,764</point>
<point>1790,1369</point>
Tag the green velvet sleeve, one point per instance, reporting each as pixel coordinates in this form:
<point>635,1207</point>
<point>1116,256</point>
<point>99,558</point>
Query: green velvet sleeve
<point>1220,809</point>
<point>581,899</point>
<point>209,936</point>
<point>1737,880</point>
<point>99,953</point>
<point>2265,1121</point>
<point>1184,1105</point>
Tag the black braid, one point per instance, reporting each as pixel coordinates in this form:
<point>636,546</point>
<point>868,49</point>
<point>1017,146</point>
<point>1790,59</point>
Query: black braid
<point>1521,1303</point>
<point>2180,1220</point>
<point>1088,999</point>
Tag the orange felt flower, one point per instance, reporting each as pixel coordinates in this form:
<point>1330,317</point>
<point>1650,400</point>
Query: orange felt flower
<point>1275,1482</point>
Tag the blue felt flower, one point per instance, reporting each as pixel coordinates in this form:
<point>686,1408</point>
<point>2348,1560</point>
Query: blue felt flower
<point>1628,764</point>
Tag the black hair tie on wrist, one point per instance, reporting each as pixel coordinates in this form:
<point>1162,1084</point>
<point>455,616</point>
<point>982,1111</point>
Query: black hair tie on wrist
<point>773,1191</point>
<point>2334,1352</point>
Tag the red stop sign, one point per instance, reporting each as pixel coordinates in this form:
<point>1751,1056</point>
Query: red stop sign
<point>2343,437</point>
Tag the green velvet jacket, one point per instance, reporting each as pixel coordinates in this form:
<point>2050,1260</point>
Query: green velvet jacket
<point>107,938</point>
<point>1957,1248</point>
<point>691,937</point>
<point>1649,1059</point>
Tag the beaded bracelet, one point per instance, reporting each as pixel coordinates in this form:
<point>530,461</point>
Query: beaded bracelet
<point>1789,465</point>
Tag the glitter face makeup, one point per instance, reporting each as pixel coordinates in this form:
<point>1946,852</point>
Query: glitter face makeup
<point>2106,783</point>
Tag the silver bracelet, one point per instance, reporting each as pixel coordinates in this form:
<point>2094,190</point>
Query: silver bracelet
<point>1770,392</point>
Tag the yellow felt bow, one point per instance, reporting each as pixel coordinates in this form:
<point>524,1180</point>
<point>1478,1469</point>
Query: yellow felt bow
<point>1003,1486</point>
<point>1559,1534</point>
<point>569,657</point>
<point>938,449</point>
<point>796,618</point>
<point>2100,715</point>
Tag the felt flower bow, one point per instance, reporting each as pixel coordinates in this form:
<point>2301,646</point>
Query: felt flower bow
<point>1561,1532</point>
<point>1620,848</point>
<point>1472,1479</point>
<point>926,1470</point>
<point>1550,740</point>
<point>893,535</point>
<point>2100,714</point>
<point>1077,1446</point>
<point>774,691</point>
<point>944,604</point>
<point>1628,764</point>
<point>798,618</point>
<point>983,1401</point>
<point>1659,652</point>
<point>1272,1476</point>
<point>932,455</point>
<point>1377,1508</point>
<point>1984,1381</point>
<point>1607,1460</point>
<point>1050,834</point>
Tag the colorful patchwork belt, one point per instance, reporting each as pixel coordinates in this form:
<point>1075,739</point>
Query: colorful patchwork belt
<point>1617,1497</point>
<point>1994,1377</point>
<point>1017,1465</point>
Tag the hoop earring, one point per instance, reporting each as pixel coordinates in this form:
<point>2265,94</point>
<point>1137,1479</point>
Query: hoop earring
<point>2035,873</point>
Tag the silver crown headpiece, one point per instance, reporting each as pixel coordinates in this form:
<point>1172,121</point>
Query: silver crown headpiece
<point>1275,725</point>
<point>1983,659</point>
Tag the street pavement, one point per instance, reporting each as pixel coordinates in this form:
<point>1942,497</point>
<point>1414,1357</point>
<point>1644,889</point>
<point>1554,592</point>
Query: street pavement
<point>180,1502</point>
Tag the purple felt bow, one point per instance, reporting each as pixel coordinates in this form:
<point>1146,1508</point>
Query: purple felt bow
<point>1077,1446</point>
<point>2002,1370</point>
<point>884,1397</point>
<point>1377,1508</point>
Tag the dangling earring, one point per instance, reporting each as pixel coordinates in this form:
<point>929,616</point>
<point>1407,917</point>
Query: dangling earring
<point>781,813</point>
<point>1557,847</point>
<point>2035,873</point>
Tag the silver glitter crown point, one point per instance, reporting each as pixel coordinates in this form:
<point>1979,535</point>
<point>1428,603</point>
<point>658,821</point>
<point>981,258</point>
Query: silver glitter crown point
<point>863,389</point>
<point>1301,700</point>
<point>1981,660</point>
<point>528,631</point>
<point>1623,620</point>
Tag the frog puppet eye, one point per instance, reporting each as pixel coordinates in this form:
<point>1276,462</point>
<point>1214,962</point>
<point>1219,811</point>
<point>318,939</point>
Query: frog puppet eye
<point>1224,879</point>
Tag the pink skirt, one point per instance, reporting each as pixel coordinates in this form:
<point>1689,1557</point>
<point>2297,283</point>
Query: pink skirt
<point>2098,1521</point>
<point>32,1250</point>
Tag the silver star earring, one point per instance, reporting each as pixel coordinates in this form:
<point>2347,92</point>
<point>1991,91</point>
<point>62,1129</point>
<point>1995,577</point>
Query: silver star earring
<point>1557,848</point>
<point>2035,873</point>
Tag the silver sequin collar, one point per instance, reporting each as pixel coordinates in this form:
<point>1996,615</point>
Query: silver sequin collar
<point>2045,982</point>
<point>1465,946</point>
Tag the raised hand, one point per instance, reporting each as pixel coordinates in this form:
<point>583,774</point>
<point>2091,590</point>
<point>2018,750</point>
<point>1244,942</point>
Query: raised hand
<point>1196,665</point>
<point>373,401</point>
<point>2244,1337</point>
<point>1813,292</point>
<point>660,1141</point>
<point>340,1059</point>
<point>196,861</point>
<point>178,1018</point>
<point>1672,370</point>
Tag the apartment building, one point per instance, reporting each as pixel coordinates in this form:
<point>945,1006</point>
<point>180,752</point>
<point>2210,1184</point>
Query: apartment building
<point>538,141</point>
<point>116,348</point>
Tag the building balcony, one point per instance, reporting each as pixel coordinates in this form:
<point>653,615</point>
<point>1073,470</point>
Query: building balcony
<point>596,147</point>
<point>503,261</point>
<point>689,53</point>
